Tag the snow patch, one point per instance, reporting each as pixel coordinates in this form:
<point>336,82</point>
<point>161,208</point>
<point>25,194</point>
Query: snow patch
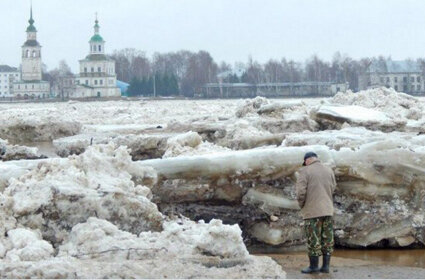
<point>27,245</point>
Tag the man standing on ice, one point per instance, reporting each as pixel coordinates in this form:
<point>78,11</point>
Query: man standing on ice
<point>315,186</point>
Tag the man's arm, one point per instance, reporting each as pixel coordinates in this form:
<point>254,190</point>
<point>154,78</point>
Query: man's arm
<point>301,188</point>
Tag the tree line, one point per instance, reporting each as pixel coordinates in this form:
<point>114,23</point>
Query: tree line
<point>185,72</point>
<point>194,69</point>
<point>176,73</point>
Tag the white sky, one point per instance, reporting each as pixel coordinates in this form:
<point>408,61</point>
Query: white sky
<point>230,30</point>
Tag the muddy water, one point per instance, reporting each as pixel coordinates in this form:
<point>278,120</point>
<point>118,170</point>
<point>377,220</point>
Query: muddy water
<point>44,148</point>
<point>399,258</point>
<point>404,257</point>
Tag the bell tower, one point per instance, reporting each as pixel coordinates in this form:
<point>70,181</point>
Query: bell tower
<point>31,54</point>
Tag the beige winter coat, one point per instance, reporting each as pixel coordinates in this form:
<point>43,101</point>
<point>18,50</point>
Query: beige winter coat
<point>315,186</point>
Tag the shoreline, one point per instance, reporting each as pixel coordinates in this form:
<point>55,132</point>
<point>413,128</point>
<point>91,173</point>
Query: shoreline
<point>347,268</point>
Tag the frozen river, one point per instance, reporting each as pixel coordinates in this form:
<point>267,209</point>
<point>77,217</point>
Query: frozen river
<point>111,179</point>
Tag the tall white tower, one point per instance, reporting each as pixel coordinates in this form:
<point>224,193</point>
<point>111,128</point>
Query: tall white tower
<point>31,54</point>
<point>31,85</point>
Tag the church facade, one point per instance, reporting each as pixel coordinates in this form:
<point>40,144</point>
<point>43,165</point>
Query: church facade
<point>97,76</point>
<point>31,85</point>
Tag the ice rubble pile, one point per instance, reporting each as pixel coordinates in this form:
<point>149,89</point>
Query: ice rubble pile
<point>190,143</point>
<point>16,152</point>
<point>112,115</point>
<point>84,217</point>
<point>380,188</point>
<point>36,125</point>
<point>379,201</point>
<point>98,249</point>
<point>49,121</point>
<point>100,239</point>
<point>276,117</point>
<point>262,123</point>
<point>349,137</point>
<point>59,194</point>
<point>397,104</point>
<point>239,133</point>
<point>250,106</point>
<point>142,146</point>
<point>257,122</point>
<point>377,109</point>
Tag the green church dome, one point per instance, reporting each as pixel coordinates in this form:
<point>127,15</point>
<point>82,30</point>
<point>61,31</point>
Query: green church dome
<point>31,28</point>
<point>96,38</point>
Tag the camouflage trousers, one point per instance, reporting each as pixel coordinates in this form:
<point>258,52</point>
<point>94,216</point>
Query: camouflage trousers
<point>320,235</point>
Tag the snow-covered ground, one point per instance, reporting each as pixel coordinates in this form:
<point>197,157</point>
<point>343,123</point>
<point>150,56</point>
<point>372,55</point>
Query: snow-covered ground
<point>111,203</point>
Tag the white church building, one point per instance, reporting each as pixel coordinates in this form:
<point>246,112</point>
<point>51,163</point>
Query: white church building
<point>31,85</point>
<point>97,76</point>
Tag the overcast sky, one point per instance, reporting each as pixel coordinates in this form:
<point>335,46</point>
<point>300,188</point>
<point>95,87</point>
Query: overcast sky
<point>230,30</point>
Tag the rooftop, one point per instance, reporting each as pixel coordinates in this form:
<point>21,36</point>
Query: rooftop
<point>31,82</point>
<point>31,43</point>
<point>214,85</point>
<point>7,68</point>
<point>394,66</point>
<point>86,86</point>
<point>123,86</point>
<point>96,57</point>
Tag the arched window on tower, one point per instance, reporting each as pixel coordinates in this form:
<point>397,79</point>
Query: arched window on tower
<point>100,48</point>
<point>27,53</point>
<point>34,53</point>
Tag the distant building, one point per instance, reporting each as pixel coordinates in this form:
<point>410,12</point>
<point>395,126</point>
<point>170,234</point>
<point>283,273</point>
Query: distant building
<point>97,76</point>
<point>31,84</point>
<point>7,76</point>
<point>404,76</point>
<point>244,90</point>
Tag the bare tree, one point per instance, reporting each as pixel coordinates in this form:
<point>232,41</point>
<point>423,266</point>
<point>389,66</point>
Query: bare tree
<point>274,71</point>
<point>201,69</point>
<point>223,67</point>
<point>317,70</point>
<point>61,79</point>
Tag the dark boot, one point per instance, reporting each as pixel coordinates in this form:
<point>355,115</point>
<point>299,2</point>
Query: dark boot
<point>326,263</point>
<point>314,265</point>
